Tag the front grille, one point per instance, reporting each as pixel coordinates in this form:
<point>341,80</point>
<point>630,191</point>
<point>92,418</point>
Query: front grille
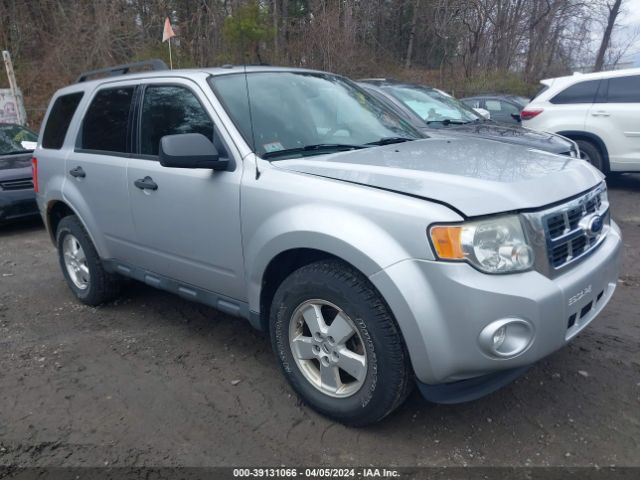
<point>18,184</point>
<point>567,231</point>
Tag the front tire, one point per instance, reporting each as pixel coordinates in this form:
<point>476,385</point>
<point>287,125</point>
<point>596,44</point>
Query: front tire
<point>81,265</point>
<point>589,152</point>
<point>338,344</point>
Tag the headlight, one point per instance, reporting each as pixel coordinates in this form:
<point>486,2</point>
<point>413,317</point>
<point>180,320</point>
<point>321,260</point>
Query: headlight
<point>496,245</point>
<point>604,195</point>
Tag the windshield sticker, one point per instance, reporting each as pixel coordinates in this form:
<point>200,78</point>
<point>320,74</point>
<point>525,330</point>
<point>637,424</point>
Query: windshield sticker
<point>273,147</point>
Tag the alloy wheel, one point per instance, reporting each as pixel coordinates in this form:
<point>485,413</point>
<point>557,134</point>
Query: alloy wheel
<point>75,262</point>
<point>328,348</point>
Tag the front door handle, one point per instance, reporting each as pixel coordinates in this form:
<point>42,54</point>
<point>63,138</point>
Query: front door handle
<point>77,172</point>
<point>146,183</point>
<point>601,113</point>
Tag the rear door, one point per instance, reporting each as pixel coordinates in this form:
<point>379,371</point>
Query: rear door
<point>616,119</point>
<point>188,229</point>
<point>96,184</point>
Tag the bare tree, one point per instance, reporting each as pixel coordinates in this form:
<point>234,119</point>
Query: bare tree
<point>412,33</point>
<point>614,9</point>
<point>455,44</point>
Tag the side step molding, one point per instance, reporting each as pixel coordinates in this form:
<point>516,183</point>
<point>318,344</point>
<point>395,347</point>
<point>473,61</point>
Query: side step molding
<point>220,302</point>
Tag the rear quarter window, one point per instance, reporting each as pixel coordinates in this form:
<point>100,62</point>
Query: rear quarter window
<point>59,119</point>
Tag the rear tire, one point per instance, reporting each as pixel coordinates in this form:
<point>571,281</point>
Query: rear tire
<point>589,152</point>
<point>357,381</point>
<point>81,265</point>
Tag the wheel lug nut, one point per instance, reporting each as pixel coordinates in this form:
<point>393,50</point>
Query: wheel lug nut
<point>330,339</point>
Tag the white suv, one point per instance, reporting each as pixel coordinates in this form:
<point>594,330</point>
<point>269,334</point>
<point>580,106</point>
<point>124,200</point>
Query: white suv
<point>600,111</point>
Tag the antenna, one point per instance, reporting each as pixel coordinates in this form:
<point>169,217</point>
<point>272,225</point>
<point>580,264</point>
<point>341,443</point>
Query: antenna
<point>253,137</point>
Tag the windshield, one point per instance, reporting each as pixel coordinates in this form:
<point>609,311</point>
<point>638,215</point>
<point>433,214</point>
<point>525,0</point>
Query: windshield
<point>432,105</point>
<point>16,139</point>
<point>306,113</point>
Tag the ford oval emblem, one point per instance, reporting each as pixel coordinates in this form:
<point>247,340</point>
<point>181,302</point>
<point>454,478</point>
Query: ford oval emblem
<point>594,227</point>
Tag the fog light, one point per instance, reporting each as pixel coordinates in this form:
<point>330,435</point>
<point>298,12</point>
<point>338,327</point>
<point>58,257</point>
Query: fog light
<point>498,337</point>
<point>506,338</point>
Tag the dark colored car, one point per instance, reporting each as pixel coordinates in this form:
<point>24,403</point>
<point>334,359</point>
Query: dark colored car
<point>433,111</point>
<point>503,108</point>
<point>17,196</point>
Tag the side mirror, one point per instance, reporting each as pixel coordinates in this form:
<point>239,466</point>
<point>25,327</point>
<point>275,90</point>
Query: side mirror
<point>189,150</point>
<point>516,117</point>
<point>483,113</point>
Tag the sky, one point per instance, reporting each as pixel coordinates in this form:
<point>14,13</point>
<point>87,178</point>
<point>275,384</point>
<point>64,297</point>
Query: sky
<point>629,21</point>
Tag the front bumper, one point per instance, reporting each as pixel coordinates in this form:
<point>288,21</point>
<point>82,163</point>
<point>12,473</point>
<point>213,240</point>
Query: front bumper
<point>442,308</point>
<point>17,204</point>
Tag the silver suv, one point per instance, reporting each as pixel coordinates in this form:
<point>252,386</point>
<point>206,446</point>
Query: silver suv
<point>375,258</point>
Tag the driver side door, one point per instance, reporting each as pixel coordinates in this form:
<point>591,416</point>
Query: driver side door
<point>187,220</point>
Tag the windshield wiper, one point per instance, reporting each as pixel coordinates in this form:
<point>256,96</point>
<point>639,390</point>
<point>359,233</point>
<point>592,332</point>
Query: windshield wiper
<point>16,152</point>
<point>447,121</point>
<point>319,148</point>
<point>390,140</point>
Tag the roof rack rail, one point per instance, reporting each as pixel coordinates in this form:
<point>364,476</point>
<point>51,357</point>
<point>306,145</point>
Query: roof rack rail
<point>155,64</point>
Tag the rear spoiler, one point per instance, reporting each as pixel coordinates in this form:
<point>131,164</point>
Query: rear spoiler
<point>550,81</point>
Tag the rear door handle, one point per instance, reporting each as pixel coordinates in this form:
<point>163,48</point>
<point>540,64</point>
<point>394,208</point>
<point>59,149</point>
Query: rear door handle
<point>146,183</point>
<point>77,172</point>
<point>601,113</point>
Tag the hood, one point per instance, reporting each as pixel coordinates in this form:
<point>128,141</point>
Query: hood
<point>474,176</point>
<point>15,166</point>
<point>515,134</point>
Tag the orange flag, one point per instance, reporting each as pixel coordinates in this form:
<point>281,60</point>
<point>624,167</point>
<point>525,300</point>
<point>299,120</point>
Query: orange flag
<point>168,31</point>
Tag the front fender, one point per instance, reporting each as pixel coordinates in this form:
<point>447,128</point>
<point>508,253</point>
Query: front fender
<point>345,234</point>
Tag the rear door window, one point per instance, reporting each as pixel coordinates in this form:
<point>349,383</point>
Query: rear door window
<point>498,106</point>
<point>59,119</point>
<point>170,110</point>
<point>624,90</point>
<point>105,125</point>
<point>583,92</point>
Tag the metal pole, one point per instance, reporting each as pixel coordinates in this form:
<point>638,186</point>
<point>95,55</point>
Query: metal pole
<point>170,61</point>
<point>13,86</point>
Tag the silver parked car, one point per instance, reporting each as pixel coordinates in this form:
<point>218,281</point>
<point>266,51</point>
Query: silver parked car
<point>292,198</point>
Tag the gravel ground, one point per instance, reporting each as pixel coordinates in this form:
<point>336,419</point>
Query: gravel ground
<point>152,380</point>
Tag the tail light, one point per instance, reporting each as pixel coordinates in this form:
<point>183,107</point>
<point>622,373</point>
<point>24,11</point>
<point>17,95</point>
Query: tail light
<point>529,114</point>
<point>34,172</point>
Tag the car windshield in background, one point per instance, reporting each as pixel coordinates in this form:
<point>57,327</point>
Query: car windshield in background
<point>300,114</point>
<point>16,139</point>
<point>431,105</point>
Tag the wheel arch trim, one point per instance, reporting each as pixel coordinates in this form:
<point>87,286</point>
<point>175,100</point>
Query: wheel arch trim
<point>51,204</point>
<point>582,135</point>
